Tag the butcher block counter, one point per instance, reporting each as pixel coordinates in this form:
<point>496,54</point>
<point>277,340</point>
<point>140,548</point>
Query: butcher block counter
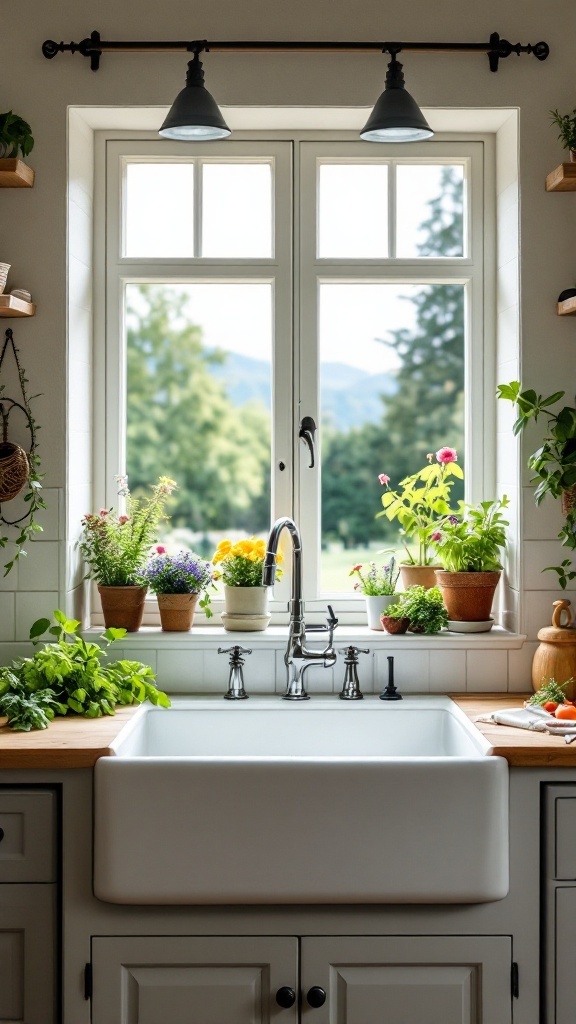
<point>79,742</point>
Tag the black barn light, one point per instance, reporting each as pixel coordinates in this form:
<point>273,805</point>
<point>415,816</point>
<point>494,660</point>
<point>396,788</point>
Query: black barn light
<point>396,116</point>
<point>194,115</point>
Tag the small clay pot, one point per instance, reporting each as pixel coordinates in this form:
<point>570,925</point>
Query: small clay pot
<point>418,575</point>
<point>123,607</point>
<point>468,596</point>
<point>177,612</point>
<point>394,625</point>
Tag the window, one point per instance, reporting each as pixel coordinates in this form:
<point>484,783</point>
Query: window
<point>252,283</point>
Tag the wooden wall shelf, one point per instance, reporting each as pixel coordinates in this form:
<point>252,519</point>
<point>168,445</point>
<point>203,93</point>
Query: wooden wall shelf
<point>14,173</point>
<point>567,307</point>
<point>10,305</point>
<point>563,179</point>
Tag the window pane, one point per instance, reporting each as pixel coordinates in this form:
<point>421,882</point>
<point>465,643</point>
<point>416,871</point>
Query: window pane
<point>198,405</point>
<point>353,211</point>
<point>237,210</point>
<point>159,209</point>
<point>429,210</point>
<point>392,390</point>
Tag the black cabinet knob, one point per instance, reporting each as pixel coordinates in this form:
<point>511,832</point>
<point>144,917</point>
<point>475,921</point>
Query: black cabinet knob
<point>316,996</point>
<point>285,997</point>
<point>1,834</point>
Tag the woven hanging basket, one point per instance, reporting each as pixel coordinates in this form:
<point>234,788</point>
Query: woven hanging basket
<point>568,500</point>
<point>14,470</point>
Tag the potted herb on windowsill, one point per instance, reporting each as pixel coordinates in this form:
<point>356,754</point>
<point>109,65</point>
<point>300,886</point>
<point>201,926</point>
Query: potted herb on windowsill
<point>421,607</point>
<point>420,506</point>
<point>115,547</point>
<point>178,580</point>
<point>378,586</point>
<point>469,549</point>
<point>240,568</point>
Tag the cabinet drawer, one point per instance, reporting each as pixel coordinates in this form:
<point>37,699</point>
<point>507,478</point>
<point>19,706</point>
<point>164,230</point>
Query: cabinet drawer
<point>27,836</point>
<point>565,815</point>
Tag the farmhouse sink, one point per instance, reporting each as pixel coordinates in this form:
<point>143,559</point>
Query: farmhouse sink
<point>322,802</point>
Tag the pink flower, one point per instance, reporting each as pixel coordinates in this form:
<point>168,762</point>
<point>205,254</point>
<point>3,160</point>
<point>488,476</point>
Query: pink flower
<point>123,519</point>
<point>103,512</point>
<point>384,479</point>
<point>357,568</point>
<point>436,536</point>
<point>160,549</point>
<point>446,455</point>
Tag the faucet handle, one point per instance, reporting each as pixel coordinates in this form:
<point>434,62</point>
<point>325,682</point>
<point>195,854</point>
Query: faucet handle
<point>235,689</point>
<point>236,651</point>
<point>352,652</point>
<point>351,686</point>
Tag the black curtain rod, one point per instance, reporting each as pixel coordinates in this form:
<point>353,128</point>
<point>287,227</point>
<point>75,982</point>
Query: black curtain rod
<point>93,47</point>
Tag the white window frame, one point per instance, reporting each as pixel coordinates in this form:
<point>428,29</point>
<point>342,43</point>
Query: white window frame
<point>296,489</point>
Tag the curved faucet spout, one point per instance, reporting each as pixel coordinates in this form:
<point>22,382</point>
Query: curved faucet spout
<point>298,657</point>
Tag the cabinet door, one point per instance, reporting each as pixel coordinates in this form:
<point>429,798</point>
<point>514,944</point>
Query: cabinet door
<point>200,980</point>
<point>27,960</point>
<point>405,980</point>
<point>565,944</point>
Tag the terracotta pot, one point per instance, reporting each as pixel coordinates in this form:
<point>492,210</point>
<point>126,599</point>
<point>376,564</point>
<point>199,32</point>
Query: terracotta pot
<point>375,607</point>
<point>246,609</point>
<point>418,575</point>
<point>123,607</point>
<point>555,658</point>
<point>467,596</point>
<point>177,611</point>
<point>395,625</point>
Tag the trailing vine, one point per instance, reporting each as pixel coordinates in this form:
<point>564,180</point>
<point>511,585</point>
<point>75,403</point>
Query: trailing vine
<point>25,525</point>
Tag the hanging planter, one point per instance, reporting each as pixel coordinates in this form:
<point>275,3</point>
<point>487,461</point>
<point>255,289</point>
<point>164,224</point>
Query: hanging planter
<point>18,467</point>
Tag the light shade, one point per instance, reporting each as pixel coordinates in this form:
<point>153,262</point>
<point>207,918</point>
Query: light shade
<point>396,116</point>
<point>194,115</point>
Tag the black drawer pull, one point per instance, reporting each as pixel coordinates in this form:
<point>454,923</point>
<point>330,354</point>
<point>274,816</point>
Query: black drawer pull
<point>316,996</point>
<point>285,997</point>
<point>1,834</point>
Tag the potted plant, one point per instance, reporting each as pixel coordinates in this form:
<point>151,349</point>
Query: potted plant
<point>469,548</point>
<point>178,580</point>
<point>394,620</point>
<point>567,134</point>
<point>115,547</point>
<point>423,607</point>
<point>378,585</point>
<point>245,598</point>
<point>554,463</point>
<point>420,506</point>
<point>15,136</point>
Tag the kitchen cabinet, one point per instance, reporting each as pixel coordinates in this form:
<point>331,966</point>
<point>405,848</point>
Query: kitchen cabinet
<point>28,900</point>
<point>424,980</point>
<point>559,885</point>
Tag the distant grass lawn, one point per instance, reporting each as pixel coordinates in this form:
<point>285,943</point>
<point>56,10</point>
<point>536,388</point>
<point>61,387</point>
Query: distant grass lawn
<point>336,563</point>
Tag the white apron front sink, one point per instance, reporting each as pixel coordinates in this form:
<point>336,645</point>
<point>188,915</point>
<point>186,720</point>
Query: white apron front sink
<point>264,801</point>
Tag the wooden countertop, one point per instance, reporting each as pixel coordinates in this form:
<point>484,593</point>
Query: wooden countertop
<point>79,742</point>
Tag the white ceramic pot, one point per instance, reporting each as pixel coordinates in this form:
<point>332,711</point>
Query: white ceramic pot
<point>374,608</point>
<point>246,609</point>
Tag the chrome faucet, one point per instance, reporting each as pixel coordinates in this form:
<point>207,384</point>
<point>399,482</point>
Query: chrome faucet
<point>298,656</point>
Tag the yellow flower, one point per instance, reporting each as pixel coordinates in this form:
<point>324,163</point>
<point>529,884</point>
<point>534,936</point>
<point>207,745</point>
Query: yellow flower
<point>222,551</point>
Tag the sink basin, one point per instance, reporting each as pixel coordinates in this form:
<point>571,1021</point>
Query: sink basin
<point>264,801</point>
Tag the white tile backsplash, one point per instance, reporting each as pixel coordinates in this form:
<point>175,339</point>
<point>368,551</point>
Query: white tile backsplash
<point>7,616</point>
<point>49,518</point>
<point>411,671</point>
<point>9,582</point>
<point>538,554</point>
<point>541,522</point>
<point>507,288</point>
<point>40,569</point>
<point>486,671</point>
<point>32,606</point>
<point>520,668</point>
<point>538,609</point>
<point>447,671</point>
<point>179,671</point>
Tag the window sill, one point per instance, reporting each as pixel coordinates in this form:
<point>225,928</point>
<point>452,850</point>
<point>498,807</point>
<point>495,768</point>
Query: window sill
<point>275,637</point>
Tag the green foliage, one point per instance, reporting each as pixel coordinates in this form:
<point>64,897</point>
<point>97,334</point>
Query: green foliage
<point>67,675</point>
<point>567,125</point>
<point>473,543</point>
<point>15,135</point>
<point>427,407</point>
<point>423,607</point>
<point>422,504</point>
<point>565,572</point>
<point>181,421</point>
<point>550,690</point>
<point>376,581</point>
<point>116,546</point>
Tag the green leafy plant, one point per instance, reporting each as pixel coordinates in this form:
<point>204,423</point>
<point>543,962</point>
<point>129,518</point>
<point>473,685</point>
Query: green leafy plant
<point>116,546</point>
<point>423,501</point>
<point>554,463</point>
<point>15,135</point>
<point>424,608</point>
<point>550,690</point>
<point>473,542</point>
<point>376,581</point>
<point>567,125</point>
<point>67,675</point>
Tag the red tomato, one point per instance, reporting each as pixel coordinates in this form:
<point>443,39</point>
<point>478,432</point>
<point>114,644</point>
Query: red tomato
<point>550,706</point>
<point>565,711</point>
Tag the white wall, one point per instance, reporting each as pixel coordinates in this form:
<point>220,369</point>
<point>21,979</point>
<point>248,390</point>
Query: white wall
<point>33,222</point>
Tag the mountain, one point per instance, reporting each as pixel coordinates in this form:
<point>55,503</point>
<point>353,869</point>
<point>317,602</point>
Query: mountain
<point>351,396</point>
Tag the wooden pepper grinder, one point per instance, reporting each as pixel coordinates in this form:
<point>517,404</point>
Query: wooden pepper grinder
<point>555,658</point>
